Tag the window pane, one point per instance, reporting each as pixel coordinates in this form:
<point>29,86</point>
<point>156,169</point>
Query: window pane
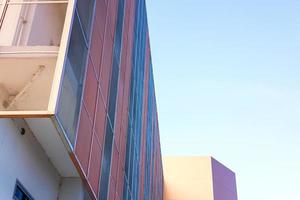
<point>71,92</point>
<point>85,9</point>
<point>21,193</point>
<point>113,91</point>
<point>77,51</point>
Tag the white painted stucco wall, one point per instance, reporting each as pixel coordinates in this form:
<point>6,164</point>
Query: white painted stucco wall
<point>71,189</point>
<point>22,158</point>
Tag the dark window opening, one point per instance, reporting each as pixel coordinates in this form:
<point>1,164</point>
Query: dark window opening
<point>20,193</point>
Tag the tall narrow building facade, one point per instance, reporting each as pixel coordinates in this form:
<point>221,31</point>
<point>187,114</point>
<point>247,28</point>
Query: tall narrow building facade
<point>77,101</point>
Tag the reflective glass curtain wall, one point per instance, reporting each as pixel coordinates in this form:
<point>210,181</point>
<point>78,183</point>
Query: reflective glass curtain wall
<point>75,69</point>
<point>134,134</point>
<point>112,103</point>
<point>107,106</point>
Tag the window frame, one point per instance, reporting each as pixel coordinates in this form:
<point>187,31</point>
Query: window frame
<point>22,189</point>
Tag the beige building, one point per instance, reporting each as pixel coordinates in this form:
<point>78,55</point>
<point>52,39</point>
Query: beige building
<point>197,178</point>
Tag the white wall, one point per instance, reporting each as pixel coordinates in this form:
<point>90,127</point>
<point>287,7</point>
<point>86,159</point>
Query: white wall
<point>47,25</point>
<point>71,188</point>
<point>22,158</point>
<point>34,24</point>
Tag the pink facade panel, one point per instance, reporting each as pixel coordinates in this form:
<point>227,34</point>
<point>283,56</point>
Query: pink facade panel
<point>96,48</point>
<point>120,177</point>
<point>96,96</point>
<point>106,66</point>
<point>111,16</point>
<point>90,90</point>
<point>84,139</point>
<point>95,165</point>
<point>101,16</point>
<point>100,119</point>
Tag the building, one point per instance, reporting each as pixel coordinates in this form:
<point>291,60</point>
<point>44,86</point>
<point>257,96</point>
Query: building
<point>196,178</point>
<point>77,101</point>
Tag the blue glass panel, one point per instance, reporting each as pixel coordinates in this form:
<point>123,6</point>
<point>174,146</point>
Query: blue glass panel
<point>112,103</point>
<point>71,90</point>
<point>85,10</point>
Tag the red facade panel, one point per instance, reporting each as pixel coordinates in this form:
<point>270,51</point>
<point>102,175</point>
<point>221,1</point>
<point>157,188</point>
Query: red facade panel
<point>90,90</point>
<point>106,67</point>
<point>83,142</point>
<point>118,197</point>
<point>95,165</point>
<point>96,48</point>
<point>100,119</point>
<point>123,147</point>
<point>91,133</point>
<point>120,175</point>
<point>101,16</point>
<point>112,16</point>
<point>131,28</point>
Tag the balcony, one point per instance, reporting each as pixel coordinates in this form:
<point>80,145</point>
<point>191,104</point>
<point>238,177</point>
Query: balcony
<point>33,45</point>
<point>26,76</point>
<point>30,40</point>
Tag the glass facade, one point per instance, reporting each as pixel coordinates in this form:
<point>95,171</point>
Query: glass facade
<point>105,111</point>
<point>74,70</point>
<point>85,9</point>
<point>133,147</point>
<point>112,101</point>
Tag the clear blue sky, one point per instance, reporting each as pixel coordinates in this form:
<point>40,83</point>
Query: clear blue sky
<point>228,85</point>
